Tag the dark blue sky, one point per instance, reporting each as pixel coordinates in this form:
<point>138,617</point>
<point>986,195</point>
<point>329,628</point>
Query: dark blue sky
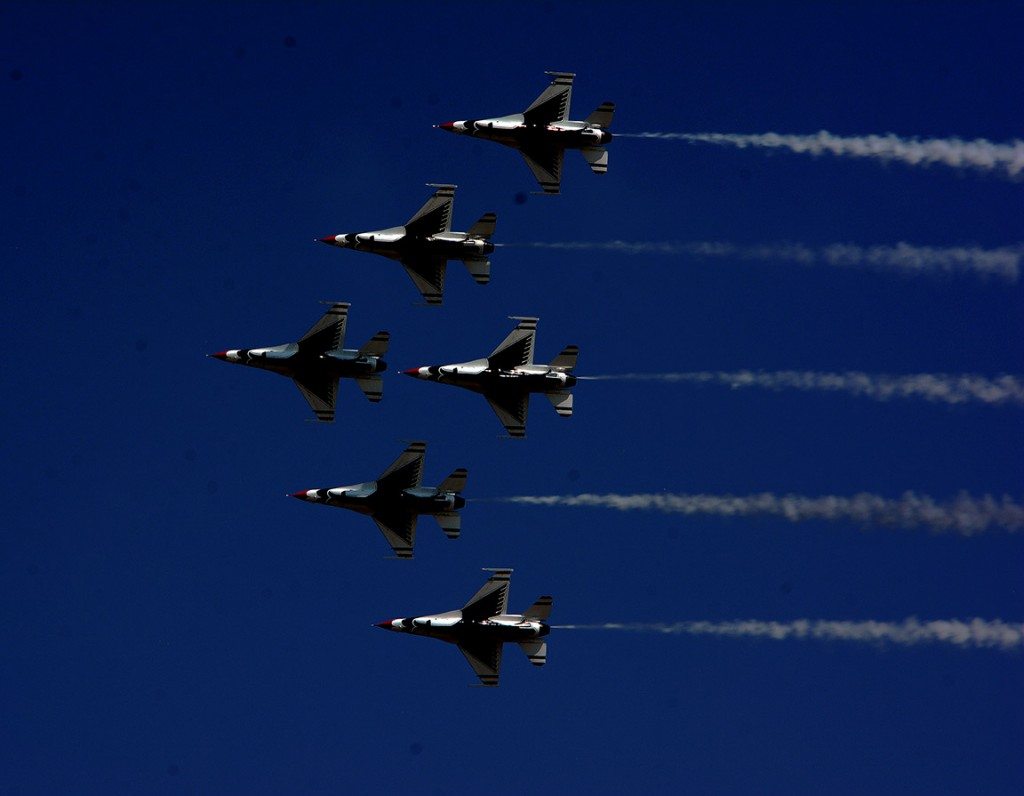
<point>170,622</point>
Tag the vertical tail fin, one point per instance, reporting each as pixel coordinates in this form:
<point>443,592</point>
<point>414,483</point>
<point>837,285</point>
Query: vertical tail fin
<point>456,482</point>
<point>376,346</point>
<point>602,117</point>
<point>484,227</point>
<point>540,609</point>
<point>567,359</point>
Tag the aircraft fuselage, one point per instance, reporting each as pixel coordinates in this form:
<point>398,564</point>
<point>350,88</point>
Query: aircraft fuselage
<point>478,377</point>
<point>513,131</point>
<point>366,498</point>
<point>451,627</point>
<point>290,360</point>
<point>397,244</point>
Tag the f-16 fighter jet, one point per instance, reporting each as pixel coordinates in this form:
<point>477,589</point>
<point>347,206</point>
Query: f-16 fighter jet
<point>481,628</point>
<point>508,376</point>
<point>395,500</point>
<point>544,131</point>
<point>426,243</point>
<point>317,361</point>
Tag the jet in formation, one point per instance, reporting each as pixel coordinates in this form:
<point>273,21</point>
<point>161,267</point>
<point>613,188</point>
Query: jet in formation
<point>544,131</point>
<point>395,500</point>
<point>483,625</point>
<point>426,243</point>
<point>318,360</point>
<point>508,376</point>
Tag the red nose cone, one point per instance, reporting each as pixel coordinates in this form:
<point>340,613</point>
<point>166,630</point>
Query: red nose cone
<point>447,125</point>
<point>220,355</point>
<point>412,372</point>
<point>331,239</point>
<point>385,625</point>
<point>300,495</point>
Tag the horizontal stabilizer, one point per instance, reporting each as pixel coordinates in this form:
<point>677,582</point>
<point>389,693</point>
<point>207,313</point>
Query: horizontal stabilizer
<point>372,387</point>
<point>540,609</point>
<point>567,359</point>
<point>480,269</point>
<point>602,117</point>
<point>456,482</point>
<point>483,228</point>
<point>536,651</point>
<point>562,401</point>
<point>597,157</point>
<point>450,522</point>
<point>376,346</point>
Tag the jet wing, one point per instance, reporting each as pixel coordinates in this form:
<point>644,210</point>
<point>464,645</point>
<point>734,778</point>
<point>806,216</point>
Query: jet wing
<point>484,655</point>
<point>435,215</point>
<point>553,103</point>
<point>427,273</point>
<point>511,410</point>
<point>546,165</point>
<point>320,392</point>
<point>400,531</point>
<point>491,599</point>
<point>517,348</point>
<point>328,333</point>
<point>406,471</point>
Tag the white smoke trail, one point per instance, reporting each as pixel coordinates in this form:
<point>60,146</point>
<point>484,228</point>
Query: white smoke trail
<point>965,515</point>
<point>1003,262</point>
<point>1006,159</point>
<point>967,633</point>
<point>938,387</point>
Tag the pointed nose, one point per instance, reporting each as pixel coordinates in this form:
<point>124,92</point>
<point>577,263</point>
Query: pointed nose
<point>222,355</point>
<point>300,495</point>
<point>449,126</point>
<point>412,372</point>
<point>330,239</point>
<point>385,625</point>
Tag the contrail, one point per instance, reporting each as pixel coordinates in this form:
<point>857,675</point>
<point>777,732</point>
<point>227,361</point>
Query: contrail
<point>1003,262</point>
<point>966,633</point>
<point>1005,159</point>
<point>964,515</point>
<point>947,388</point>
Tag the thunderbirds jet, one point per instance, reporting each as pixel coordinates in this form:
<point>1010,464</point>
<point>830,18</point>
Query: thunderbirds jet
<point>395,500</point>
<point>317,361</point>
<point>544,131</point>
<point>508,376</point>
<point>482,627</point>
<point>426,243</point>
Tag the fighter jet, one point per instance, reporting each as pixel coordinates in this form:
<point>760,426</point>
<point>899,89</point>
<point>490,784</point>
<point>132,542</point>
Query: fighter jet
<point>426,243</point>
<point>544,131</point>
<point>395,500</point>
<point>317,361</point>
<point>481,628</point>
<point>508,376</point>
